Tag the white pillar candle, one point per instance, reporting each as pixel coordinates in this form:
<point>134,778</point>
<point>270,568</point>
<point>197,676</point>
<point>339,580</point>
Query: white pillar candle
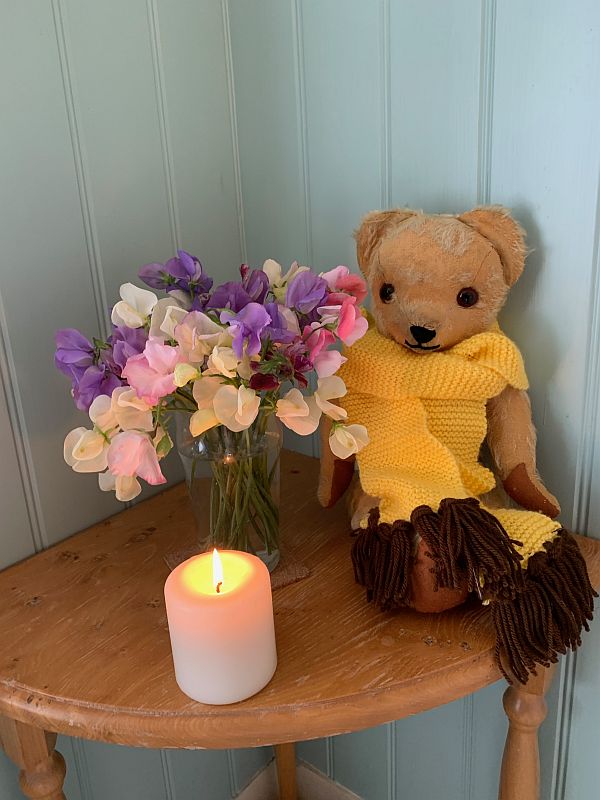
<point>220,615</point>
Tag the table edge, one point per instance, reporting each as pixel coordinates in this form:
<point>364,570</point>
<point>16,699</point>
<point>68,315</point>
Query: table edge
<point>228,727</point>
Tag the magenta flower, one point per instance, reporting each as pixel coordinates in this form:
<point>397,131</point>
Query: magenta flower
<point>247,326</point>
<point>151,373</point>
<point>132,453</point>
<point>317,339</point>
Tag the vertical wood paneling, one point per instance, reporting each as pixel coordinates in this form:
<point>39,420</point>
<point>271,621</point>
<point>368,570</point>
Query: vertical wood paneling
<point>196,774</point>
<point>197,116</point>
<point>430,754</point>
<point>366,776</point>
<point>122,773</point>
<point>248,762</point>
<point>545,163</point>
<point>265,68</point>
<point>45,276</point>
<point>435,68</point>
<point>17,540</point>
<point>344,144</point>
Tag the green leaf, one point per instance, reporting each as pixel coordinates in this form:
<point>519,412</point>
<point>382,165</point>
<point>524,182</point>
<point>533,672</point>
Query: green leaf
<point>164,446</point>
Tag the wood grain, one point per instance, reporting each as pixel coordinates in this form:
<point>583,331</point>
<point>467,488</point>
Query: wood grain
<point>84,646</point>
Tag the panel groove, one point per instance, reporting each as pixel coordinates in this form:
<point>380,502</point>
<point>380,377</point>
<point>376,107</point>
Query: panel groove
<point>391,760</point>
<point>82,769</point>
<point>386,107</point>
<point>233,783</point>
<point>163,119</point>
<point>330,760</point>
<point>16,414</point>
<point>486,101</point>
<point>165,761</point>
<point>81,171</point>
<point>300,75</point>
<point>467,774</point>
<point>582,496</point>
<point>233,117</point>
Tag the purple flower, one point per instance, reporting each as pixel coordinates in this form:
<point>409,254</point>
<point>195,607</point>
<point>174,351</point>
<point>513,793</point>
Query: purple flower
<point>96,380</point>
<point>256,283</point>
<point>183,272</point>
<point>306,291</point>
<point>126,342</point>
<point>74,353</point>
<point>230,295</point>
<point>277,331</point>
<point>247,324</point>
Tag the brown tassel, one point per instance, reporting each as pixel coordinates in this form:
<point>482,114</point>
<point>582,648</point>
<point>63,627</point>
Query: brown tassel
<point>548,612</point>
<point>465,538</point>
<point>382,559</point>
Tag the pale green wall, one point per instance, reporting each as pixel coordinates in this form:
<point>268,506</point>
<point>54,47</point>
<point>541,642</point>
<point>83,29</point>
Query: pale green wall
<point>256,128</point>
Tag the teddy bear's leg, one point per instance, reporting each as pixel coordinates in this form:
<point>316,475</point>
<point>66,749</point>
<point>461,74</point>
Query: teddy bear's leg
<point>359,503</point>
<point>335,473</point>
<point>424,596</point>
<point>511,439</point>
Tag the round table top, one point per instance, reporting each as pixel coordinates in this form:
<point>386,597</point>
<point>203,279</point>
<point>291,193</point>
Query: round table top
<point>84,644</point>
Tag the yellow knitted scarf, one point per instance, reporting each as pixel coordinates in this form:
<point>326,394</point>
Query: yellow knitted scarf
<point>426,418</point>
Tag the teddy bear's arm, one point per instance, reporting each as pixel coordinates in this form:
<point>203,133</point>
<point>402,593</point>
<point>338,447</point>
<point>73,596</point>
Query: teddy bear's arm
<point>335,474</point>
<point>511,438</point>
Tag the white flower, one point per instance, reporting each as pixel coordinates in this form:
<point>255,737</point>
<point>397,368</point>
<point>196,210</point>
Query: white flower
<point>202,420</point>
<point>330,389</point>
<point>135,306</point>
<point>126,486</point>
<point>184,373</point>
<point>345,440</point>
<point>205,389</point>
<point>198,334</point>
<point>298,413</point>
<point>222,361</point>
<point>85,451</point>
<point>102,415</point>
<point>130,411</point>
<point>236,408</point>
<point>166,316</point>
<point>277,281</point>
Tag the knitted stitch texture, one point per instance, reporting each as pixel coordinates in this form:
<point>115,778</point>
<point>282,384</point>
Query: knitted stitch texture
<point>426,418</point>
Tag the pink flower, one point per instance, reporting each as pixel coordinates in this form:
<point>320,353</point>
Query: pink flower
<point>350,324</point>
<point>151,373</point>
<point>341,279</point>
<point>317,339</point>
<point>328,362</point>
<point>132,453</point>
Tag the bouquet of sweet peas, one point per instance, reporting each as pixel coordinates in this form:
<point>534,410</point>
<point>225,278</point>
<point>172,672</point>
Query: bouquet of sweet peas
<point>225,355</point>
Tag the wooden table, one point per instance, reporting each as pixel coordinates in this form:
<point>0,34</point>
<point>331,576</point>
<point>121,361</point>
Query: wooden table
<point>84,649</point>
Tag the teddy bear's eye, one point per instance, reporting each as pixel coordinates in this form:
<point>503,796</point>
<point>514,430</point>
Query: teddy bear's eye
<point>467,297</point>
<point>386,292</point>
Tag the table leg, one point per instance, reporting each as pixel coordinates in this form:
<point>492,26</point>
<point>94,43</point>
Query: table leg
<point>526,709</point>
<point>285,756</point>
<point>32,749</point>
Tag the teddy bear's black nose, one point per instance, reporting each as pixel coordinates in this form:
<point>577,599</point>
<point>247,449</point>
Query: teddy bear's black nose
<point>421,335</point>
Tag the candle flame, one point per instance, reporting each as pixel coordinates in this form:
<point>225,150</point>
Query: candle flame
<point>217,571</point>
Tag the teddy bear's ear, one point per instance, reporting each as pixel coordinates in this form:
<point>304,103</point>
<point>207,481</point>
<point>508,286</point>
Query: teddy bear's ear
<point>372,230</point>
<point>508,237</point>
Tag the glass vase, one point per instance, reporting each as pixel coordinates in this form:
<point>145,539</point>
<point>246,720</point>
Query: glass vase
<point>233,481</point>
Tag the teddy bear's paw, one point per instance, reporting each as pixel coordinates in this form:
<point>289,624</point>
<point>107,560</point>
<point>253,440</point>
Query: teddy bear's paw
<point>530,493</point>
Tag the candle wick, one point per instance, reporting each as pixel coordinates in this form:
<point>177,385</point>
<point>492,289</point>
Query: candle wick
<point>218,586</point>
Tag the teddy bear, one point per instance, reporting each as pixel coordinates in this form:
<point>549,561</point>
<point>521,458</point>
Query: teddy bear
<point>434,380</point>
